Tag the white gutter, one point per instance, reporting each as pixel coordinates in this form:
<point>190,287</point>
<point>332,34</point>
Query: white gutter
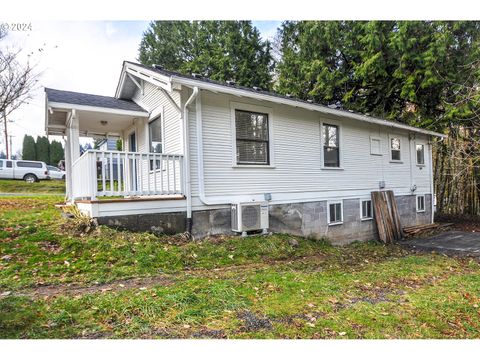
<point>201,180</point>
<point>186,158</point>
<point>68,106</point>
<point>299,104</point>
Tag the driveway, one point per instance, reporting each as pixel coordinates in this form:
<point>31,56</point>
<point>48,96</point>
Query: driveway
<point>449,242</point>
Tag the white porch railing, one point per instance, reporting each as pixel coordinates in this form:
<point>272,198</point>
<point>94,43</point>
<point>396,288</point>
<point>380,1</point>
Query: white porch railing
<point>117,173</point>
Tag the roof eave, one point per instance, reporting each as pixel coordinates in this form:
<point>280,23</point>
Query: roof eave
<point>69,106</point>
<point>314,107</point>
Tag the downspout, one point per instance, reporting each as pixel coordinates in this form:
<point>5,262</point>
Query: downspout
<point>186,160</point>
<point>432,189</point>
<point>201,180</point>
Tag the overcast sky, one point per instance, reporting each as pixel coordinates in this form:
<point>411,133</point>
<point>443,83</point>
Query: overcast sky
<point>78,56</point>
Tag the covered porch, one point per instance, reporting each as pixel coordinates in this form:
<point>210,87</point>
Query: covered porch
<point>105,174</point>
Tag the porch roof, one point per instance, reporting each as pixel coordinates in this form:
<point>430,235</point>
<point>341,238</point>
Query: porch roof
<point>99,115</point>
<point>75,98</point>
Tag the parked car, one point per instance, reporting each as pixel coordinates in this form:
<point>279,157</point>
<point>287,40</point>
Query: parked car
<point>56,173</point>
<point>30,171</point>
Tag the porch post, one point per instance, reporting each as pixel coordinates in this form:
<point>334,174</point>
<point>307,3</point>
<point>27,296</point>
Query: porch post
<point>72,152</point>
<point>68,169</point>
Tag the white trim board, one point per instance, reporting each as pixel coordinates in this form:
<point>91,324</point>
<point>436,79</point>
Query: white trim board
<point>67,106</point>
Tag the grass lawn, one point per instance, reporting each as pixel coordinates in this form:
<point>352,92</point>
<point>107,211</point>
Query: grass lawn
<point>55,283</point>
<point>44,187</point>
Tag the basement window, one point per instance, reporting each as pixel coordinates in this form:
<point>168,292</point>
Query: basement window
<point>420,203</point>
<point>335,213</point>
<point>252,138</point>
<point>366,210</point>
<point>420,149</point>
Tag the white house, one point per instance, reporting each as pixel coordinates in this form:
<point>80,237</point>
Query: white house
<point>194,147</point>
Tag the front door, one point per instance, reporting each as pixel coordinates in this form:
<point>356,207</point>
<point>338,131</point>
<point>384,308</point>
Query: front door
<point>132,147</point>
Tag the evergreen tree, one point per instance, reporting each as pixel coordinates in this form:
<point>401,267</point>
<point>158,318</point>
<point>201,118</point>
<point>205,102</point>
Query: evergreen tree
<point>42,149</point>
<point>399,70</point>
<point>56,152</point>
<point>219,50</point>
<point>28,150</point>
<point>3,155</point>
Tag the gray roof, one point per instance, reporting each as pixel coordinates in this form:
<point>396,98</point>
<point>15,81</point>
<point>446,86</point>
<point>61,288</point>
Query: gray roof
<point>75,98</point>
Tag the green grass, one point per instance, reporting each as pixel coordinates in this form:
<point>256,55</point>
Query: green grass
<point>256,287</point>
<point>44,187</point>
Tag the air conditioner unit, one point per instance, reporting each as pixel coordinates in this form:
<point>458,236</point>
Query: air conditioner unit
<point>249,216</point>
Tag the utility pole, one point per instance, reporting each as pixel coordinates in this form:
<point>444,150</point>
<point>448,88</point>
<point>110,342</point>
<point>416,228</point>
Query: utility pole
<point>11,147</point>
<point>6,134</point>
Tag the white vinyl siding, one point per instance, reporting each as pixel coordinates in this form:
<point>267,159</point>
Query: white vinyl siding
<point>296,144</point>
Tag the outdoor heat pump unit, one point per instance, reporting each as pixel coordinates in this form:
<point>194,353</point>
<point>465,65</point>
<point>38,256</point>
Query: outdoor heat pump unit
<point>249,216</point>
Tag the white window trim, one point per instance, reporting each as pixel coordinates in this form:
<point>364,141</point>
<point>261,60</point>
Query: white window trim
<point>328,212</point>
<point>254,108</point>
<point>361,209</point>
<point>390,137</point>
<point>158,111</point>
<point>424,203</point>
<point>371,148</point>
<point>340,145</point>
<point>424,154</point>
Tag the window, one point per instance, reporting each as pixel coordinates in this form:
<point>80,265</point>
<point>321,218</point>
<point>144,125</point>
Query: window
<point>420,203</point>
<point>366,210</point>
<point>395,149</point>
<point>335,213</point>
<point>252,138</point>
<point>28,164</point>
<point>1,164</point>
<point>8,164</point>
<point>331,148</point>
<point>420,154</point>
<point>375,146</point>
<point>155,136</point>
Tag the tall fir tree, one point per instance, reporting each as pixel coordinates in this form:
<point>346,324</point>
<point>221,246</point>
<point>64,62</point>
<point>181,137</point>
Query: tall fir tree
<point>399,70</point>
<point>28,149</point>
<point>42,149</point>
<point>219,50</point>
<point>56,152</point>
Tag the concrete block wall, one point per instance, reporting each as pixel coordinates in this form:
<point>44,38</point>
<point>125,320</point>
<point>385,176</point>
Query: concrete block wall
<point>308,219</point>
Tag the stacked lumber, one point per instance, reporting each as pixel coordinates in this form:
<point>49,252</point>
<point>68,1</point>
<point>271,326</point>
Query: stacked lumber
<point>387,216</point>
<point>411,231</point>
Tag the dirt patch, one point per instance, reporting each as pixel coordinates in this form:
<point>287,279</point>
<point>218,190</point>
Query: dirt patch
<point>209,334</point>
<point>253,322</point>
<point>468,223</point>
<point>72,290</point>
<point>51,247</point>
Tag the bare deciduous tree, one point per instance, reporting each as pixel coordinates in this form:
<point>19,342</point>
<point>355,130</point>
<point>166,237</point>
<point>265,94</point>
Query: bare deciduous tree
<point>17,81</point>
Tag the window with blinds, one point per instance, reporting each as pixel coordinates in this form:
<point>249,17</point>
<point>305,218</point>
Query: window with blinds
<point>252,140</point>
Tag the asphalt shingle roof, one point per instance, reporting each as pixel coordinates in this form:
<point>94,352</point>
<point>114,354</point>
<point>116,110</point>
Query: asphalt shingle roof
<point>76,98</point>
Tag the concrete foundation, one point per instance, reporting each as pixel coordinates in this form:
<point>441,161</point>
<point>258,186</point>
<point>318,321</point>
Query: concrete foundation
<point>308,219</point>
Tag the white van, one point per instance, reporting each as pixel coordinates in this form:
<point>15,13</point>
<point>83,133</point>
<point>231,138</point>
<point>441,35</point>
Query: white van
<point>30,171</point>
